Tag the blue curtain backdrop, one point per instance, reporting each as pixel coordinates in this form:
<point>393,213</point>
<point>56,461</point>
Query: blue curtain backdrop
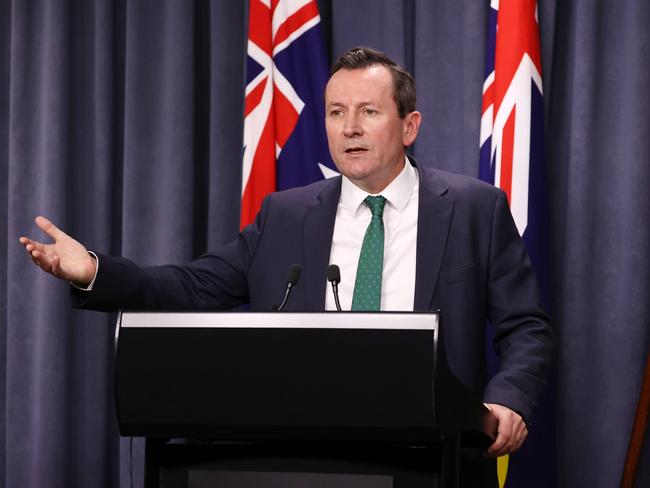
<point>122,121</point>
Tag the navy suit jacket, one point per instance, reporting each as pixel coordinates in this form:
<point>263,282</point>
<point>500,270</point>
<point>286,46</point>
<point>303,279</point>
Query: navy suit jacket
<point>471,265</point>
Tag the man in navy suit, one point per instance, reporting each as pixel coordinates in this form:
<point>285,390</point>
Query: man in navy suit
<point>449,243</point>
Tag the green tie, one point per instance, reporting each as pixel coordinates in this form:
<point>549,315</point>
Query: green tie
<point>367,286</point>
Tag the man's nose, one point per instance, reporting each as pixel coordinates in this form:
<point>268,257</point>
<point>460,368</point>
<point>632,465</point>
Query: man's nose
<point>351,126</point>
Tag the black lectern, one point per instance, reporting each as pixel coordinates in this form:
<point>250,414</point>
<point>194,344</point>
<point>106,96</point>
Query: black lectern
<point>261,399</point>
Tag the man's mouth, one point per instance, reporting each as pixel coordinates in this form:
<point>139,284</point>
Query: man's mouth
<point>355,150</point>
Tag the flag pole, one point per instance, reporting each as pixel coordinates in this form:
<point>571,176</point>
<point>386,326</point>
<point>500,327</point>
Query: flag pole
<point>638,431</point>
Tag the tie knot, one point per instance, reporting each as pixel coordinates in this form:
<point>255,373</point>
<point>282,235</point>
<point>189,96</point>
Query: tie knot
<point>376,205</point>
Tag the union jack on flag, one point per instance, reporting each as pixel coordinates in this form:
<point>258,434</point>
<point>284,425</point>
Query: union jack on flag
<point>513,79</point>
<point>512,158</point>
<point>286,72</point>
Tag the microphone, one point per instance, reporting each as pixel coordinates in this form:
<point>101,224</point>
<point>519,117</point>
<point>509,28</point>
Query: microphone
<point>292,280</point>
<point>334,277</point>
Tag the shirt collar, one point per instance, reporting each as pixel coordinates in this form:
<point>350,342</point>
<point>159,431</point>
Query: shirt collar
<point>397,193</point>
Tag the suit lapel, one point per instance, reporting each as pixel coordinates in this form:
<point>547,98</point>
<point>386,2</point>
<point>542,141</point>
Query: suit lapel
<point>317,240</point>
<point>435,210</point>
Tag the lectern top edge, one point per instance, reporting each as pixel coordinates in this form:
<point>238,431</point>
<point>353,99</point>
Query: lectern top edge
<point>283,320</point>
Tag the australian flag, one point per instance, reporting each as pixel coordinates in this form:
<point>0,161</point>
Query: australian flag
<point>512,158</point>
<point>284,121</point>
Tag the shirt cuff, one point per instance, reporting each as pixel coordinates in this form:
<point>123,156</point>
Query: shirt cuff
<point>92,283</point>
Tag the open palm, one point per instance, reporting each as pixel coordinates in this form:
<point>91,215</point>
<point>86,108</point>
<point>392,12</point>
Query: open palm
<point>64,258</point>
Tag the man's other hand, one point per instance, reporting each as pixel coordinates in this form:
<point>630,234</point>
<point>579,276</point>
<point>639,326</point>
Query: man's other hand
<point>512,431</point>
<point>65,258</point>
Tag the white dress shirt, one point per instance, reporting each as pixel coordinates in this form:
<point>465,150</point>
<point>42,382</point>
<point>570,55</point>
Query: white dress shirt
<point>400,241</point>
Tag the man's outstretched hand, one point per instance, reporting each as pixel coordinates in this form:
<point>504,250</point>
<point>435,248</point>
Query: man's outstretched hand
<point>512,431</point>
<point>65,258</point>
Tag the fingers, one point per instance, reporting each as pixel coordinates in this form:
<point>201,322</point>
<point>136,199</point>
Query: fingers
<point>39,254</point>
<point>55,265</point>
<point>49,228</point>
<point>35,250</point>
<point>41,260</point>
<point>65,258</point>
<point>521,437</point>
<point>499,446</point>
<point>512,431</point>
<point>513,441</point>
<point>32,245</point>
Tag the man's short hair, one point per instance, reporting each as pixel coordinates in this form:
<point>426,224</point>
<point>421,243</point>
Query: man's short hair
<point>403,83</point>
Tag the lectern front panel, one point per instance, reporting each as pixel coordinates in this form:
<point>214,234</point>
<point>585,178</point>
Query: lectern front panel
<point>283,375</point>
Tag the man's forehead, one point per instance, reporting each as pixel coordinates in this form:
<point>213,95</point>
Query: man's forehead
<point>363,85</point>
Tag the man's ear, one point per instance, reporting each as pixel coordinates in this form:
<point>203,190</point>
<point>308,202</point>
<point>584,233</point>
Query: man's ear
<point>411,126</point>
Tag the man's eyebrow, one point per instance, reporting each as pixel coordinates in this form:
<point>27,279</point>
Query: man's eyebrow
<point>341,104</point>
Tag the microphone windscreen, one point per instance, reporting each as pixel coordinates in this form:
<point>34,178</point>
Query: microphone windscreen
<point>294,274</point>
<point>333,274</point>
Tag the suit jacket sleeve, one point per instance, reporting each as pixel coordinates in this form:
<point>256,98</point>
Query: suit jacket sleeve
<point>523,337</point>
<point>215,281</point>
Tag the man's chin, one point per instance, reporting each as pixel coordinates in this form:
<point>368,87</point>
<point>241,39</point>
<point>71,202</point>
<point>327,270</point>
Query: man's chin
<point>355,174</point>
<point>357,162</point>
<point>366,181</point>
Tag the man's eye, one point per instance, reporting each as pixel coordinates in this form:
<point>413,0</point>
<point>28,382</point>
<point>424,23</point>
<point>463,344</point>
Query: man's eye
<point>335,113</point>
<point>370,111</point>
